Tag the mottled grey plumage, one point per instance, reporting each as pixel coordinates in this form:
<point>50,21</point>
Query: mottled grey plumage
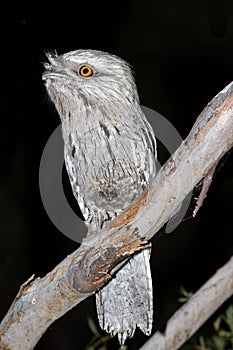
<point>110,154</point>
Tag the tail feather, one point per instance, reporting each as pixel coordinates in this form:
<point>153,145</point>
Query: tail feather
<point>126,302</point>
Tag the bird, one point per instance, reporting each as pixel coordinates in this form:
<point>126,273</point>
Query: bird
<point>110,156</point>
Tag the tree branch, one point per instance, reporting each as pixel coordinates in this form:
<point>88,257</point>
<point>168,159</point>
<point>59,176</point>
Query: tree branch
<point>186,321</point>
<point>41,301</point>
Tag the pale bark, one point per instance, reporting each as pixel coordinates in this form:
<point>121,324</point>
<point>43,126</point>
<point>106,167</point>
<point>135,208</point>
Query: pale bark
<point>43,300</point>
<point>184,323</point>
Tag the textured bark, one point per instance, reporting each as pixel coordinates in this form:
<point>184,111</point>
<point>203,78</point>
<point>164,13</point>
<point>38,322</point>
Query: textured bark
<point>43,300</point>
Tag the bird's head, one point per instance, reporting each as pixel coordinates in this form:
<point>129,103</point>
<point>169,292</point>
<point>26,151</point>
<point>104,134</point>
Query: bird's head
<point>86,78</point>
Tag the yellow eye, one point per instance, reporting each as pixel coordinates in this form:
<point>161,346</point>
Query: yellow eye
<point>86,71</point>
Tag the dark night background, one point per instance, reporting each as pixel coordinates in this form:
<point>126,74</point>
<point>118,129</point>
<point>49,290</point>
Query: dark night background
<point>182,54</point>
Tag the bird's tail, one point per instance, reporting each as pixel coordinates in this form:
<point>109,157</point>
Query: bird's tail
<point>126,302</point>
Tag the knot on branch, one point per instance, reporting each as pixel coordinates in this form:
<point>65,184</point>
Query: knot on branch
<point>94,269</point>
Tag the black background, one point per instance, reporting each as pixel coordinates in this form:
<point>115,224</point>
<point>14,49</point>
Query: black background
<point>182,54</point>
